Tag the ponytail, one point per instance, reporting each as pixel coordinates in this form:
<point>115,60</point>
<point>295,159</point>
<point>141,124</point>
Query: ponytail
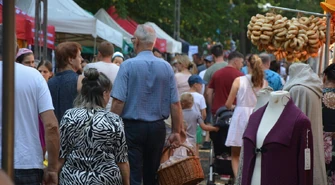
<point>193,68</point>
<point>257,75</point>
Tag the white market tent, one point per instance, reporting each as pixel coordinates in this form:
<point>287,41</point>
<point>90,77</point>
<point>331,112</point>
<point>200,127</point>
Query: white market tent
<point>74,23</point>
<point>104,17</point>
<point>173,46</point>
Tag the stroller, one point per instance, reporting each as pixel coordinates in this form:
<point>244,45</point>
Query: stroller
<point>219,160</point>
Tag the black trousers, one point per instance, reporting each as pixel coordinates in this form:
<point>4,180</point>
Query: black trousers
<point>28,176</point>
<point>145,142</point>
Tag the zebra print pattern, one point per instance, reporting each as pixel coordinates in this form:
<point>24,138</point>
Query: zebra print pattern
<point>92,143</point>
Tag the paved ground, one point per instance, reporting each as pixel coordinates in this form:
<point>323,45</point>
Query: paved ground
<point>204,159</point>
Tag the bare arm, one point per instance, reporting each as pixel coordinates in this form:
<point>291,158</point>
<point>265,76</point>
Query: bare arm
<point>117,106</point>
<point>233,93</point>
<point>203,114</point>
<point>51,138</point>
<point>61,162</point>
<point>209,96</point>
<point>177,120</point>
<point>79,82</point>
<point>208,127</point>
<point>176,117</point>
<point>125,172</point>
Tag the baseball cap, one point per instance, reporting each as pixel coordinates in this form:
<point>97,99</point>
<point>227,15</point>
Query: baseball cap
<point>209,58</point>
<point>195,79</point>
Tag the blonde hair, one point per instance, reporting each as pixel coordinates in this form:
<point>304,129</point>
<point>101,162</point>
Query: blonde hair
<point>186,62</point>
<point>257,74</point>
<point>186,100</point>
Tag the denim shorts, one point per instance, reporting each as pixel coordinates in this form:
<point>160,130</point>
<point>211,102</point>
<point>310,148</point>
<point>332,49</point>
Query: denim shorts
<point>28,176</point>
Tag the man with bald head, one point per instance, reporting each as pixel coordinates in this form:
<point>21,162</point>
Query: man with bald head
<point>144,94</point>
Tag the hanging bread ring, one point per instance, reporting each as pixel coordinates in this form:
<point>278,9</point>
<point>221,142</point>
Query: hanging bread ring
<point>294,32</point>
<point>280,38</point>
<point>302,32</point>
<point>314,36</point>
<point>316,19</point>
<point>311,26</point>
<point>253,37</point>
<point>269,33</point>
<point>259,16</point>
<point>310,32</point>
<point>265,37</point>
<point>313,41</point>
<point>256,28</point>
<point>266,29</point>
<point>278,26</point>
<point>279,30</point>
<point>302,27</point>
<point>256,33</point>
<point>304,20</point>
<point>284,32</point>
<point>253,19</point>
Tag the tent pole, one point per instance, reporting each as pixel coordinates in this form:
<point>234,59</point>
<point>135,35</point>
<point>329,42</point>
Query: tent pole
<point>8,36</point>
<point>45,29</point>
<point>327,42</point>
<point>95,46</point>
<point>37,23</point>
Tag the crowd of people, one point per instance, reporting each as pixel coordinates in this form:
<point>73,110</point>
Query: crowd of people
<point>107,122</point>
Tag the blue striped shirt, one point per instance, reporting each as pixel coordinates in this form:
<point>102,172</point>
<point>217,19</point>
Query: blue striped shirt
<point>147,86</point>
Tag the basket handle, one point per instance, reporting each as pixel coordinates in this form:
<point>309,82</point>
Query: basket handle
<point>169,148</point>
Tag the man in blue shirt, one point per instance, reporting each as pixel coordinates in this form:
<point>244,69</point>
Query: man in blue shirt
<point>144,94</point>
<point>272,77</point>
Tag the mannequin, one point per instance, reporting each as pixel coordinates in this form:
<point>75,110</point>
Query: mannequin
<point>277,102</point>
<point>263,97</point>
<point>278,144</point>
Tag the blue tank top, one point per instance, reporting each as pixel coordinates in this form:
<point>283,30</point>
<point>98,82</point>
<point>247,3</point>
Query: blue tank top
<point>63,89</point>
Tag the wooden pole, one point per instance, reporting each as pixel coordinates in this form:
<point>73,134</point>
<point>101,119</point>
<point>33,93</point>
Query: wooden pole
<point>8,57</point>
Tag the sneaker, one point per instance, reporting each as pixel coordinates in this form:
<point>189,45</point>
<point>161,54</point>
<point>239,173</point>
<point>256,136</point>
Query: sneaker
<point>225,177</point>
<point>206,145</point>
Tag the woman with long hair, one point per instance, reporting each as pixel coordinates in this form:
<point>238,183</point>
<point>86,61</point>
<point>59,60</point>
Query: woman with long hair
<point>185,69</point>
<point>244,89</point>
<point>93,144</point>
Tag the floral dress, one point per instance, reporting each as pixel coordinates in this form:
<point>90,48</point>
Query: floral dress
<point>92,143</point>
<point>328,110</point>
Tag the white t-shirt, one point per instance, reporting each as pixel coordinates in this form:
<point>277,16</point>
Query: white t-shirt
<point>202,74</point>
<point>109,69</point>
<point>32,97</point>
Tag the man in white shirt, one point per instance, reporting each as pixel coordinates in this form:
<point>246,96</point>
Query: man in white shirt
<point>32,98</point>
<point>105,65</point>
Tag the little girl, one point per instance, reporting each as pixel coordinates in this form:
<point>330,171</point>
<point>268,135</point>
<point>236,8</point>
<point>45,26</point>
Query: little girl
<point>193,118</point>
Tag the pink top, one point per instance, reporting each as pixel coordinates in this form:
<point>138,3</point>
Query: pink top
<point>41,132</point>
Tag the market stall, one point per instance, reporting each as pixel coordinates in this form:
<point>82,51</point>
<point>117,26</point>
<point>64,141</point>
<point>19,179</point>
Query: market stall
<point>130,26</point>
<point>72,23</point>
<point>25,29</point>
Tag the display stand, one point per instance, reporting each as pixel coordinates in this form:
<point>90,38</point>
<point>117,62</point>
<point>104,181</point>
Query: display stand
<point>328,16</point>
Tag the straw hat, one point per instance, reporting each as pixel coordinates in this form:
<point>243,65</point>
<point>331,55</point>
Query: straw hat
<point>328,6</point>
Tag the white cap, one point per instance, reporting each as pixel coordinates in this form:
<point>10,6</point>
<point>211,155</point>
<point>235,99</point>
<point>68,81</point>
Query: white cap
<point>117,54</point>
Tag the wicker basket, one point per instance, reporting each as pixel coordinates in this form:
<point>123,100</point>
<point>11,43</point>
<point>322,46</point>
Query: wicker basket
<point>185,172</point>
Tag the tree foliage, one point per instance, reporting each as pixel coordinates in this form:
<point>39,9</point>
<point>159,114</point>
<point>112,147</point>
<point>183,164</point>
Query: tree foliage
<point>201,20</point>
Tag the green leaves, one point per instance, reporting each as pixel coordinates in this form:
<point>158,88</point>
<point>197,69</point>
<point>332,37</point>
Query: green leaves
<point>200,19</point>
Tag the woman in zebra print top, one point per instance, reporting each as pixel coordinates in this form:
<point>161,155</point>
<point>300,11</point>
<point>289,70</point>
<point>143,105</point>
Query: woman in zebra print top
<point>93,146</point>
